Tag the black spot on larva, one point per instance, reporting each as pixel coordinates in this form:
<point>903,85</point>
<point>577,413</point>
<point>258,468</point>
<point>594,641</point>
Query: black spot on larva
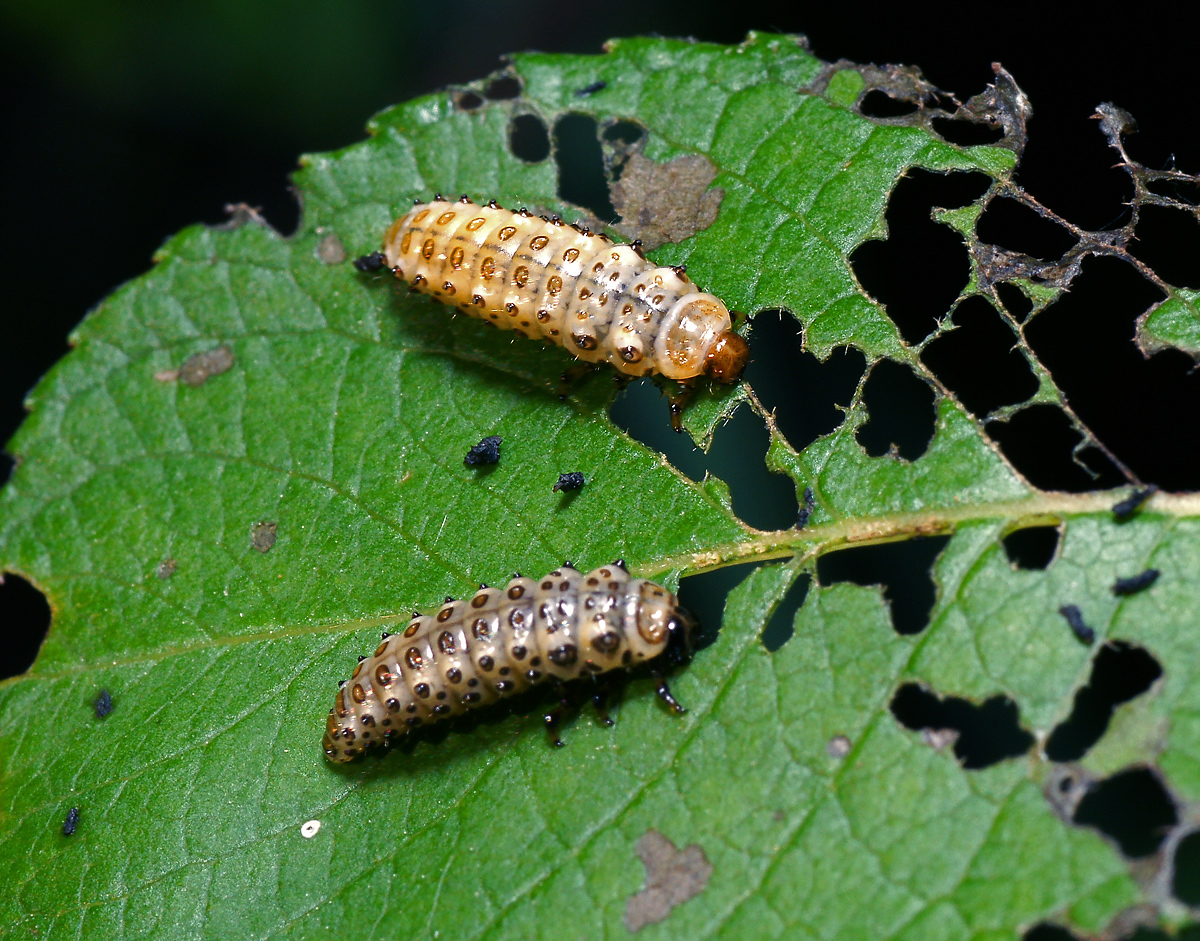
<point>262,535</point>
<point>1135,583</point>
<point>1132,808</point>
<point>27,620</point>
<point>486,452</point>
<point>71,822</point>
<point>454,675</point>
<point>1032,548</point>
<point>607,642</point>
<point>564,656</point>
<point>518,652</point>
<point>988,733</point>
<point>486,663</point>
<point>441,710</point>
<point>1120,672</point>
<point>422,690</point>
<point>1079,627</point>
<point>104,704</point>
<point>503,88</point>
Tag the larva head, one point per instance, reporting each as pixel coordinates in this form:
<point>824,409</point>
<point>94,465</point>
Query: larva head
<point>727,358</point>
<point>688,334</point>
<point>662,625</point>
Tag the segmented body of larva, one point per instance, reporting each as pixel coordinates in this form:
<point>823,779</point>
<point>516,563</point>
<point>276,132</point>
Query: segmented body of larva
<point>501,642</point>
<point>600,301</point>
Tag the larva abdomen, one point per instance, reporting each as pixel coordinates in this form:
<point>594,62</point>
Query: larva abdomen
<point>500,642</point>
<point>600,301</point>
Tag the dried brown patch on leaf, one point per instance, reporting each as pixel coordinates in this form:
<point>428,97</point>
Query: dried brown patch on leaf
<point>198,368</point>
<point>262,535</point>
<point>330,250</point>
<point>666,202</point>
<point>672,877</point>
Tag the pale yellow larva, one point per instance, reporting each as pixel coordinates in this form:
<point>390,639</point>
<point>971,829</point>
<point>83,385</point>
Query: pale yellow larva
<point>500,642</point>
<point>600,301</point>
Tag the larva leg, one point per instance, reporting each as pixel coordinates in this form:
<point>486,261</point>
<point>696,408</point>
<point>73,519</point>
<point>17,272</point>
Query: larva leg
<point>678,401</point>
<point>607,689</point>
<point>572,375</point>
<point>554,718</point>
<point>664,693</point>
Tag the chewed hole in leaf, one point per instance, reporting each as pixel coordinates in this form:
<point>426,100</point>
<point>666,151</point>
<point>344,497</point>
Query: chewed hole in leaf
<point>1185,875</point>
<point>782,624</point>
<point>1047,932</point>
<point>916,244</point>
<point>979,360</point>
<point>737,454</point>
<point>581,177</point>
<point>1085,339</point>
<point>1033,547</point>
<point>503,88</point>
<point>1014,301</point>
<point>26,616</point>
<point>528,138</point>
<point>900,409</point>
<point>902,568</point>
<point>704,596</point>
<point>467,100</point>
<point>1169,242</point>
<point>1039,441</point>
<point>988,733</point>
<point>879,104</point>
<point>804,393</point>
<point>1018,228</point>
<point>1132,808</point>
<point>1120,672</point>
<point>968,133</point>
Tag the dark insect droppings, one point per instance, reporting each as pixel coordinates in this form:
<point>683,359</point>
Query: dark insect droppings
<point>1075,618</point>
<point>371,262</point>
<point>1135,583</point>
<point>1125,509</point>
<point>70,823</point>
<point>486,452</point>
<point>590,89</point>
<point>805,513</point>
<point>103,704</point>
<point>571,481</point>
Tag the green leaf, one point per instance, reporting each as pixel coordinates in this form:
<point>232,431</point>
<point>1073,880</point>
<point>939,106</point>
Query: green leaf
<point>218,543</point>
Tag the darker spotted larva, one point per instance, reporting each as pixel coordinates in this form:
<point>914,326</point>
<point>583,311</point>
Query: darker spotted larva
<point>600,301</point>
<point>502,641</point>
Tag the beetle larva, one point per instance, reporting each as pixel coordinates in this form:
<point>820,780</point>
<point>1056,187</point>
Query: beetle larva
<point>600,301</point>
<point>502,641</point>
